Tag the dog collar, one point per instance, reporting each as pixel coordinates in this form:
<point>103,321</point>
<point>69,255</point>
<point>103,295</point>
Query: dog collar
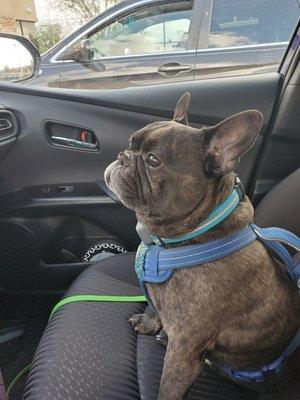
<point>221,212</point>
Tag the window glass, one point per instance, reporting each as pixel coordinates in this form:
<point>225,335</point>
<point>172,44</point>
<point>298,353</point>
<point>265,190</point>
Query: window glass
<point>155,29</point>
<point>252,22</point>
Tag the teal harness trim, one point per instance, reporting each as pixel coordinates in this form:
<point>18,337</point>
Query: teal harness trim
<point>216,216</point>
<point>140,260</point>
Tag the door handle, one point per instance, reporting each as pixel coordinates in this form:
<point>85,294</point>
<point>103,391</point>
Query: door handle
<point>71,136</point>
<point>174,68</point>
<point>74,143</point>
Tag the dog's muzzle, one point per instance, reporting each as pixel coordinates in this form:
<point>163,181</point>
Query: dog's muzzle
<point>125,157</point>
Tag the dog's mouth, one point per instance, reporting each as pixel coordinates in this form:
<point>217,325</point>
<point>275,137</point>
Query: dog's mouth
<point>119,179</point>
<point>122,161</point>
<point>109,171</point>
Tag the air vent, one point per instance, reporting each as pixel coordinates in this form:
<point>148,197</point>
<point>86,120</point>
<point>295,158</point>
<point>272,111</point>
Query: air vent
<point>8,125</point>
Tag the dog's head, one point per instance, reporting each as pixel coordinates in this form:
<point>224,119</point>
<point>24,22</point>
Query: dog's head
<point>170,167</point>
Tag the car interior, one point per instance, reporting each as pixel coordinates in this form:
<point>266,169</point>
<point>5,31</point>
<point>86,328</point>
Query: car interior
<point>62,234</point>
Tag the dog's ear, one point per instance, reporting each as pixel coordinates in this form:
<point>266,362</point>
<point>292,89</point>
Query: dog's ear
<point>226,142</point>
<point>180,114</point>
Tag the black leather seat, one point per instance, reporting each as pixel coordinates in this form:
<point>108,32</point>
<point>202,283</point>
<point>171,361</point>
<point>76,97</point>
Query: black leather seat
<point>90,352</point>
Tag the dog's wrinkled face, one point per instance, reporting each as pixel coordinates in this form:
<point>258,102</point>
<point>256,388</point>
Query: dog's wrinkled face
<point>170,167</point>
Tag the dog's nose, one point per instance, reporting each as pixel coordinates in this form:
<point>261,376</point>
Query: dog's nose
<point>123,156</point>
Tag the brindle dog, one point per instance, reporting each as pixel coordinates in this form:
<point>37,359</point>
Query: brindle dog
<point>242,310</point>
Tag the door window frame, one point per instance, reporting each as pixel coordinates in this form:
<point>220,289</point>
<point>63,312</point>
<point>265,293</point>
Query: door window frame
<point>203,37</point>
<point>195,26</point>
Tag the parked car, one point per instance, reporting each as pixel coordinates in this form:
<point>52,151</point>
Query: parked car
<point>56,217</point>
<point>142,42</point>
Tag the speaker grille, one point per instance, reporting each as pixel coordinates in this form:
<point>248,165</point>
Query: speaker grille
<point>19,248</point>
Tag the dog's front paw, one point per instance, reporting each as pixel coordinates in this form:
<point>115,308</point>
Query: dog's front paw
<point>145,324</point>
<point>162,337</point>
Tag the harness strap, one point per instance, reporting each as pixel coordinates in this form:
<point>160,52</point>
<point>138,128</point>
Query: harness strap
<point>283,254</point>
<point>273,367</point>
<point>278,234</point>
<point>159,262</point>
<point>273,238</point>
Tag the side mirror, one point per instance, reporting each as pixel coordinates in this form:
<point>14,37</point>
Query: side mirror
<point>20,59</point>
<point>83,54</point>
<point>80,53</point>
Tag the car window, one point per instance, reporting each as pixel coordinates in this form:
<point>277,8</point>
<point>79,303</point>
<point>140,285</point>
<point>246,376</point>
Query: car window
<point>155,29</point>
<point>251,22</point>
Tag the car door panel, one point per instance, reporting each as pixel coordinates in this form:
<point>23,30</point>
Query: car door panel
<point>9,128</point>
<point>39,220</point>
<point>122,72</point>
<point>113,117</point>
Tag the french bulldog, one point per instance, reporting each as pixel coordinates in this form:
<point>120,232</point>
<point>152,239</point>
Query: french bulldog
<point>242,310</point>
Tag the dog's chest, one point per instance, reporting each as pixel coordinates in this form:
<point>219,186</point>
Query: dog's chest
<point>230,299</point>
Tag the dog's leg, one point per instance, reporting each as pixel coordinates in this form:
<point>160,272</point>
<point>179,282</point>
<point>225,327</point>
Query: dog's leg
<point>182,365</point>
<point>146,324</point>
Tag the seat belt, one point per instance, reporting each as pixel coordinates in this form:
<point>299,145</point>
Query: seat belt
<point>97,298</point>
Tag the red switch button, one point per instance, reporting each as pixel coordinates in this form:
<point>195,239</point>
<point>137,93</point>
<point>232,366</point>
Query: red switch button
<point>84,136</point>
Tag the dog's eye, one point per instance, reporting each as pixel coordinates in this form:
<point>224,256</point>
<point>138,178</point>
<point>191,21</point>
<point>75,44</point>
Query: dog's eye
<point>152,160</point>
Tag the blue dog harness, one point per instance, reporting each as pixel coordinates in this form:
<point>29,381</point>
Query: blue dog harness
<point>156,264</point>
